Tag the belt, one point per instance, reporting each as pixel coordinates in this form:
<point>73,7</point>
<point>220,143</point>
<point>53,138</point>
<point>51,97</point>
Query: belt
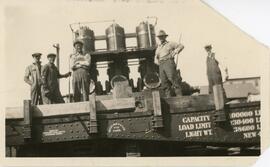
<point>164,58</point>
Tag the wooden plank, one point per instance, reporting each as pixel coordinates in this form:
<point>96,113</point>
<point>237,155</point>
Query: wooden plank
<point>72,108</point>
<point>27,114</point>
<point>190,101</point>
<point>156,103</point>
<point>27,119</point>
<point>92,105</point>
<point>93,115</point>
<point>14,112</point>
<point>110,104</point>
<point>184,102</point>
<point>115,104</point>
<point>218,97</point>
<point>104,97</point>
<point>158,119</point>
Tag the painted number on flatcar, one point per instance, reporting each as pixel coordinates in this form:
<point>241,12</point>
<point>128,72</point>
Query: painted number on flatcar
<point>246,122</point>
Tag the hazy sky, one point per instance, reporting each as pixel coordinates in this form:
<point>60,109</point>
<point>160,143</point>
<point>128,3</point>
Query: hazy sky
<point>36,27</point>
<point>249,15</point>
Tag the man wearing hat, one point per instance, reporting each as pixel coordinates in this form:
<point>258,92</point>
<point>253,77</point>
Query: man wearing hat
<point>80,65</point>
<point>50,86</point>
<point>164,57</point>
<point>213,70</point>
<point>33,78</point>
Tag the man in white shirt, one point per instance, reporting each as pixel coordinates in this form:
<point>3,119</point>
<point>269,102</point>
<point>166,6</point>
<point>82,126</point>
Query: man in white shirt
<point>80,65</point>
<point>164,57</point>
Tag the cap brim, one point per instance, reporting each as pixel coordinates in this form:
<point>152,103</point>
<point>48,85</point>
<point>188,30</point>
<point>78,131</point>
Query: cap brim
<point>162,35</point>
<point>77,43</point>
<point>36,55</point>
<point>51,55</point>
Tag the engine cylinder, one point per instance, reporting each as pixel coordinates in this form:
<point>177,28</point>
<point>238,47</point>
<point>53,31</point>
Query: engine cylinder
<point>87,36</point>
<point>145,35</point>
<point>115,37</point>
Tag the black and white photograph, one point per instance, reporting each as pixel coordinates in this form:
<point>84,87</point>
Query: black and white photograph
<point>131,78</point>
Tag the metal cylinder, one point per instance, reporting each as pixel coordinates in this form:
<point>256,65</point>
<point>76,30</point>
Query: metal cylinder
<point>115,38</point>
<point>87,36</point>
<point>145,35</point>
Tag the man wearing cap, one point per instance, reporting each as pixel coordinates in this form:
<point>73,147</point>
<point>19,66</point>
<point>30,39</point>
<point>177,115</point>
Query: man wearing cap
<point>80,65</point>
<point>213,70</point>
<point>50,86</point>
<point>33,78</point>
<point>164,57</point>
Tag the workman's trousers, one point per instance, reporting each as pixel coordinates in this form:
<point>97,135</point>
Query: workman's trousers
<point>170,80</point>
<point>80,84</point>
<point>53,97</point>
<point>215,79</point>
<point>36,97</point>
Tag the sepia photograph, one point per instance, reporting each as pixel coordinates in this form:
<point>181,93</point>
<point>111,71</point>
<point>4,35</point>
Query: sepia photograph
<point>119,79</point>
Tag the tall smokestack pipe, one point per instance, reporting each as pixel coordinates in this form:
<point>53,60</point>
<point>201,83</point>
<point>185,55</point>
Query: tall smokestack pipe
<point>57,47</point>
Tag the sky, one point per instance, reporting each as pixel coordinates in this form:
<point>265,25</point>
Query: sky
<point>248,15</point>
<point>36,27</point>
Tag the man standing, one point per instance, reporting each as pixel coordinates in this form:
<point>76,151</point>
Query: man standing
<point>33,78</point>
<point>164,57</point>
<point>213,70</point>
<point>80,65</point>
<point>50,86</point>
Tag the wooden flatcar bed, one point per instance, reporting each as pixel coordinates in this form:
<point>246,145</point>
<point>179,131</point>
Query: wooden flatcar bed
<point>106,126</point>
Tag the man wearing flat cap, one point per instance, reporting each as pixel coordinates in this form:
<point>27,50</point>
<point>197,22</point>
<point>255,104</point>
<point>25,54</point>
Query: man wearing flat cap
<point>164,57</point>
<point>50,86</point>
<point>33,78</point>
<point>80,65</point>
<point>213,71</point>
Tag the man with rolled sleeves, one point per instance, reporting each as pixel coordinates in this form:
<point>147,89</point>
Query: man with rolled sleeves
<point>33,78</point>
<point>80,65</point>
<point>164,57</point>
<point>50,86</point>
<point>213,71</point>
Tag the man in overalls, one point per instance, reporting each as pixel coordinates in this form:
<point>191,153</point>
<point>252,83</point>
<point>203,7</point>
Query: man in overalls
<point>213,70</point>
<point>164,57</point>
<point>215,79</point>
<point>50,86</point>
<point>33,78</point>
<point>80,65</point>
